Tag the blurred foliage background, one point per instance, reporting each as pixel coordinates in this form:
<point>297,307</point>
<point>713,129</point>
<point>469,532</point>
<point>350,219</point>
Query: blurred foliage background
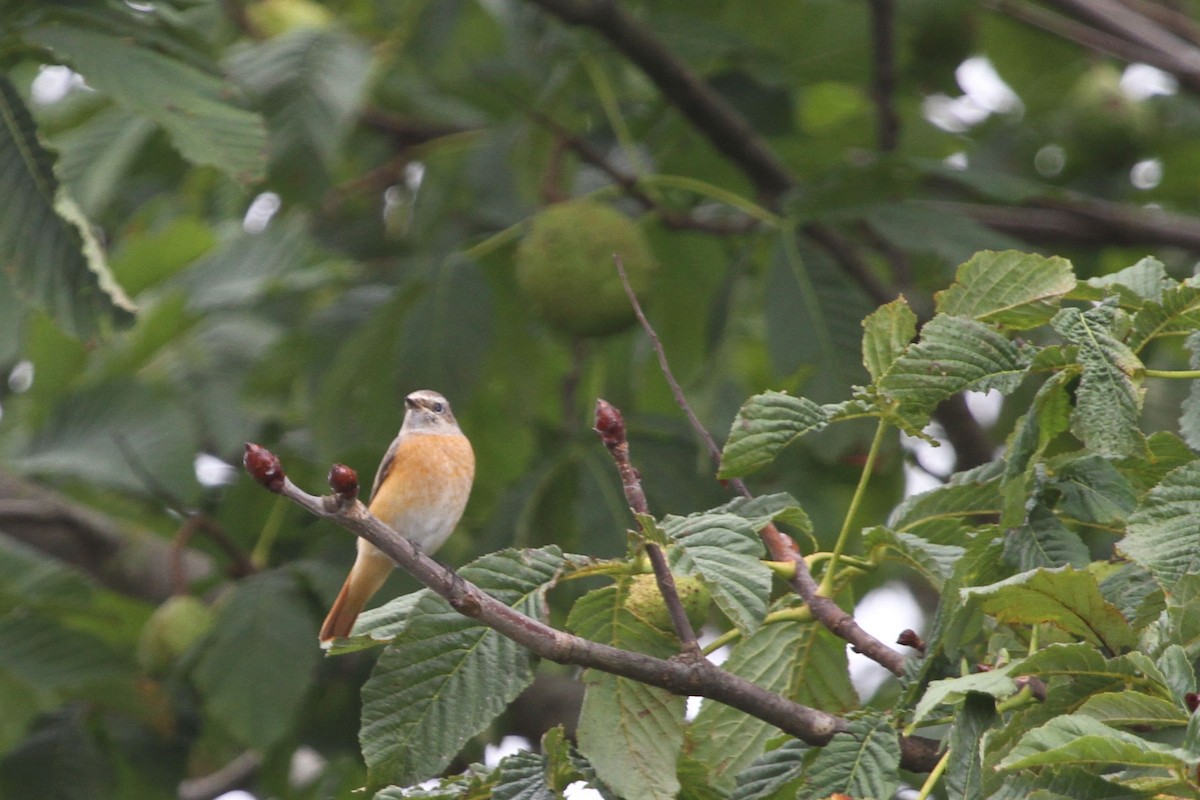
<point>317,208</point>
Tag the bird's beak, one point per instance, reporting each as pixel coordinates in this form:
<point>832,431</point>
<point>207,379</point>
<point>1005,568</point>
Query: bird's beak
<point>410,404</point>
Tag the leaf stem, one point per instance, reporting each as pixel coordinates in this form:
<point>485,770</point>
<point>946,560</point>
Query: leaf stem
<point>826,588</point>
<point>934,776</point>
<point>1182,374</point>
<point>260,556</point>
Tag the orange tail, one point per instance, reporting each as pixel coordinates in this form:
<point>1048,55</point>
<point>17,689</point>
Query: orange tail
<point>369,572</point>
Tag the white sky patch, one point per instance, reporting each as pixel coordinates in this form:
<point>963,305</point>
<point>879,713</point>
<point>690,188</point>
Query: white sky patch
<point>20,378</point>
<point>237,794</point>
<point>957,161</point>
<point>883,613</point>
<point>984,93</point>
<point>984,406</point>
<point>493,754</point>
<point>705,636</point>
<point>1146,174</point>
<point>934,462</point>
<point>1141,81</point>
<point>305,767</point>
<point>260,212</point>
<point>55,82</point>
<point>212,471</point>
<point>581,791</point>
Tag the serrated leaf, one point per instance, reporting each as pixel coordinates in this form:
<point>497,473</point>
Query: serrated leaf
<point>967,494</point>
<point>1177,313</point>
<point>1133,590</point>
<point>765,425</point>
<point>192,106</point>
<point>934,561</point>
<point>863,762</point>
<point>1189,417</point>
<point>966,745</point>
<point>1176,667</point>
<point>799,660</point>
<point>1017,290</point>
<point>445,677</point>
<point>1066,597</point>
<point>758,511</point>
<point>380,625</point>
<point>261,659</point>
<point>1092,490</point>
<point>1145,280</point>
<point>1049,416</point>
<point>1073,739</point>
<point>1084,671</point>
<point>1162,534</point>
<point>768,776</point>
<point>954,354</point>
<point>951,691</point>
<point>51,258</point>
<point>887,333</point>
<point>310,83</point>
<point>1133,710</point>
<point>97,154</point>
<point>725,552</point>
<point>1108,400</point>
<point>629,731</point>
<point>522,777</point>
<point>1044,541</point>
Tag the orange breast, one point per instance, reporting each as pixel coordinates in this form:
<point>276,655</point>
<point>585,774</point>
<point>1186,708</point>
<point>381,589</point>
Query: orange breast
<point>426,487</point>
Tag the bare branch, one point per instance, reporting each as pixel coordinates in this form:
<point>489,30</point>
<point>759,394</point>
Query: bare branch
<point>679,676</point>
<point>883,72</point>
<point>610,426</point>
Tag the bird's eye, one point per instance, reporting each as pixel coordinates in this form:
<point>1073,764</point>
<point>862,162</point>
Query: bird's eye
<point>438,408</point>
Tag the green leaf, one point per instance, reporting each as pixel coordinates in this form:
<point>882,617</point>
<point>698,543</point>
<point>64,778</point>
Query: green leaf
<point>1067,598</point>
<point>54,659</point>
<point>1092,490</point>
<point>765,508</point>
<point>1162,533</point>
<point>1016,290</point>
<point>260,660</point>
<point>1133,710</point>
<point>1082,671</point>
<point>1176,666</point>
<point>191,105</point>
<point>964,771</point>
<point>799,660</point>
<point>1073,739</point>
<point>776,773</point>
<point>523,777</point>
<point>382,624</point>
<point>995,684</point>
<point>862,762</point>
<point>1108,400</point>
<point>1176,314</point>
<point>96,156</point>
<point>954,354</point>
<point>445,677</point>
<point>726,552</point>
<point>1044,541</point>
<point>629,731</point>
<point>967,494</point>
<point>887,333</point>
<point>310,83</point>
<point>1145,280</point>
<point>1189,417</point>
<point>935,562</point>
<point>51,258</point>
<point>1049,416</point>
<point>1133,590</point>
<point>765,425</point>
<point>61,759</point>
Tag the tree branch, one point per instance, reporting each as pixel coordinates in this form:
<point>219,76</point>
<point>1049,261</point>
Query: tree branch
<point>704,107</point>
<point>610,426</point>
<point>679,676</point>
<point>883,72</point>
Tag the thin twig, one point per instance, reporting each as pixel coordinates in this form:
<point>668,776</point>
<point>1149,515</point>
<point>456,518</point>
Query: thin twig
<point>780,546</point>
<point>883,73</point>
<point>679,676</point>
<point>610,426</point>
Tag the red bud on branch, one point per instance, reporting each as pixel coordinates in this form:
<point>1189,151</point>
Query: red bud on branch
<point>264,467</point>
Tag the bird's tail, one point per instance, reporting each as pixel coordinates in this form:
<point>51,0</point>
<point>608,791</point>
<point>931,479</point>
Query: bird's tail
<point>365,578</point>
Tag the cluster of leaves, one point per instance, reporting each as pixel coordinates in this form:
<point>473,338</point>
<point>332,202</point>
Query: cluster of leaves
<point>1050,652</point>
<point>303,329</point>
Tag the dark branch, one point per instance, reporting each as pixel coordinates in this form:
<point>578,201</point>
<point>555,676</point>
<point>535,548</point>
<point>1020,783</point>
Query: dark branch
<point>704,107</point>
<point>883,73</point>
<point>679,676</point>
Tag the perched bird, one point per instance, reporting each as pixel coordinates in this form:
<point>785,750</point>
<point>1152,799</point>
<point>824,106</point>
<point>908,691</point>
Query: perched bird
<point>420,490</point>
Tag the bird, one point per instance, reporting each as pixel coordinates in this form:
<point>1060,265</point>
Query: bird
<point>420,490</point>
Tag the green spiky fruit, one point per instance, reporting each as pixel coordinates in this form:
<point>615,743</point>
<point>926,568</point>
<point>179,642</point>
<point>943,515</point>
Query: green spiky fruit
<point>646,603</point>
<point>171,630</point>
<point>565,267</point>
